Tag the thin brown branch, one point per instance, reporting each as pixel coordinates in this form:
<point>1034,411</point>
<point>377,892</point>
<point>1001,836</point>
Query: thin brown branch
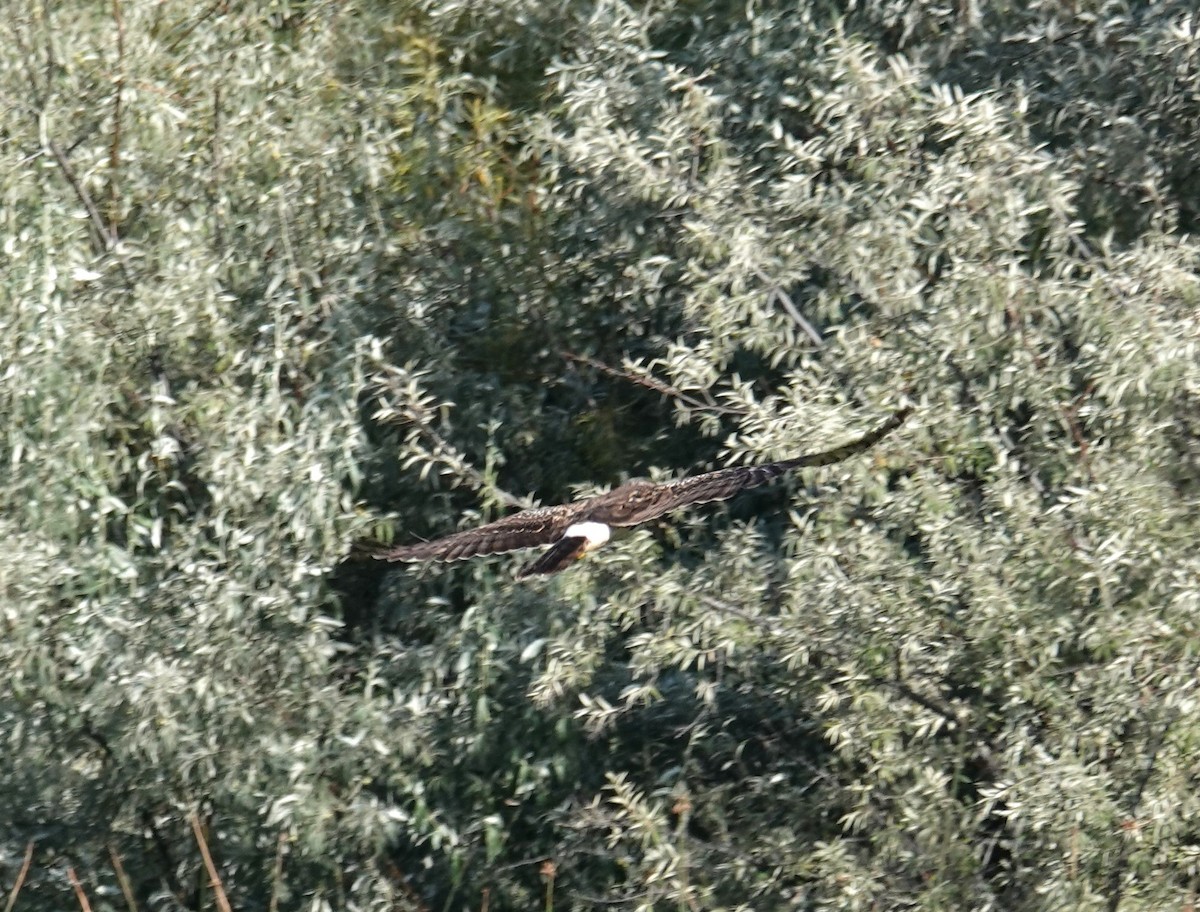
<point>776,293</point>
<point>114,146</point>
<point>100,240</point>
<point>51,61</point>
<point>40,94</point>
<point>653,383</point>
<point>277,872</point>
<point>214,879</point>
<point>79,894</point>
<point>122,878</point>
<point>215,170</point>
<point>1071,415</point>
<point>21,874</point>
<point>785,300</point>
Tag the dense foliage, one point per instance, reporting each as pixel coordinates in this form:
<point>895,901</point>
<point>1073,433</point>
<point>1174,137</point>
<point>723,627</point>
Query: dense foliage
<point>283,274</point>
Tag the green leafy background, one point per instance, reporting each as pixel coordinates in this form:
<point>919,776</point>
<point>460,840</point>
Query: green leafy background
<point>279,275</point>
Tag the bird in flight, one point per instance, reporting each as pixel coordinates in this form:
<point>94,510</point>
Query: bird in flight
<point>575,528</point>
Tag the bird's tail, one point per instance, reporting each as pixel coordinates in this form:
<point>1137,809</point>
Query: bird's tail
<point>557,557</point>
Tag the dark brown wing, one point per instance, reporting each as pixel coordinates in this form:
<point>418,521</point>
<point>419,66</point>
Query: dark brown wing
<point>641,502</point>
<point>557,557</point>
<point>526,529</point>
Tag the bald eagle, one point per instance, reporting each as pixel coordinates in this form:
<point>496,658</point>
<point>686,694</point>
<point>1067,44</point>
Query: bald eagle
<point>575,528</point>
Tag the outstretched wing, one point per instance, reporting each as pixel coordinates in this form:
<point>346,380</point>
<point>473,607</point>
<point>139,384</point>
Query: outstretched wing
<point>629,505</point>
<point>643,502</point>
<point>526,529</point>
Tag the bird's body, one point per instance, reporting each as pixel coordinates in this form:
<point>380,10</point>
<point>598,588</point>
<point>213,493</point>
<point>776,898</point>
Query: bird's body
<point>575,528</point>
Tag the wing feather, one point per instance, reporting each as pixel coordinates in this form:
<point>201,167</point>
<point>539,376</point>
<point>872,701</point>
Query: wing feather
<point>641,502</point>
<point>526,529</point>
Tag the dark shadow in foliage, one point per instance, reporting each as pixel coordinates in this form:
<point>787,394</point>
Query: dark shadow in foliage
<point>356,582</point>
<point>756,736</point>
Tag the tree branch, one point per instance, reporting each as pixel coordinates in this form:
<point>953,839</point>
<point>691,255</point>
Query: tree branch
<point>653,383</point>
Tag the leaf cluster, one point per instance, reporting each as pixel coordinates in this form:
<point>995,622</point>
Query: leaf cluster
<point>279,275</point>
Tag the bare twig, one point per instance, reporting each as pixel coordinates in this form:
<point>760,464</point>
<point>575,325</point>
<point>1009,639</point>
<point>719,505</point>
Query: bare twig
<point>122,878</point>
<point>79,894</point>
<point>214,878</point>
<point>114,146</point>
<point>1071,415</point>
<point>103,236</point>
<point>653,383</point>
<point>776,293</point>
<point>40,94</point>
<point>51,61</point>
<point>100,239</point>
<point>215,169</point>
<point>21,874</point>
<point>277,872</point>
<point>794,312</point>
